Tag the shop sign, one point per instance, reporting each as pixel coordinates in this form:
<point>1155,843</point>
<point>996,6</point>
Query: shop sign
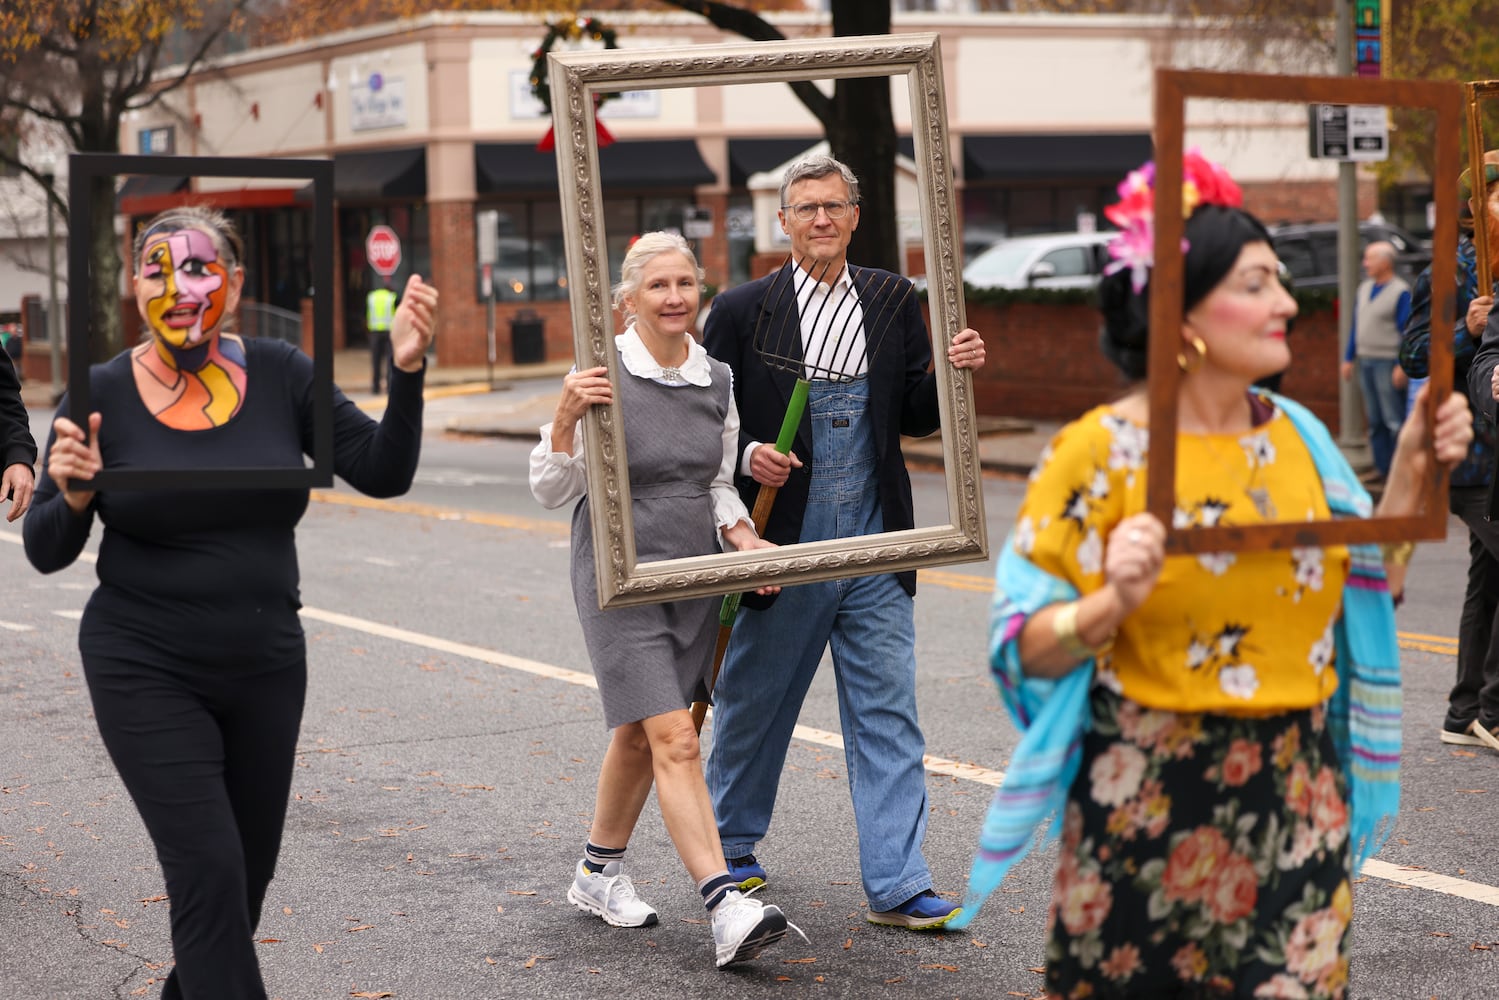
<point>378,101</point>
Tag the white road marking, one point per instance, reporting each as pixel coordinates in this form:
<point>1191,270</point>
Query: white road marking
<point>1374,868</point>
<point>69,614</point>
<point>1421,879</point>
<point>17,627</point>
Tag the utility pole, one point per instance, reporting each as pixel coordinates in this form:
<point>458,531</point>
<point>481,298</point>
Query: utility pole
<point>1351,434</point>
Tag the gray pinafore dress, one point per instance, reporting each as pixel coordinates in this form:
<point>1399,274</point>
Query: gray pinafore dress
<point>656,658</point>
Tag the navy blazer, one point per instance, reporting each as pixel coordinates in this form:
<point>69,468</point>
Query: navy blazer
<point>16,444</point>
<point>902,391</point>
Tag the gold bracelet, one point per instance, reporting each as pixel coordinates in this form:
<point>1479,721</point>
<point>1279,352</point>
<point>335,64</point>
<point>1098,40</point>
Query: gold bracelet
<point>1064,624</point>
<point>1398,553</point>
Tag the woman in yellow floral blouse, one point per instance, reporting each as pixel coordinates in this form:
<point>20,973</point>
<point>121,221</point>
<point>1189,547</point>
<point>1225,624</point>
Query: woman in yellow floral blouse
<point>1206,824</point>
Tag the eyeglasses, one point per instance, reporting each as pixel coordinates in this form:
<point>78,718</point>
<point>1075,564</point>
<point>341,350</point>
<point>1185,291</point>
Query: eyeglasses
<point>807,210</point>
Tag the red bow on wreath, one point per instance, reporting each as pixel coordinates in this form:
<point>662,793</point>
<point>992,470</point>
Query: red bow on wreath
<point>573,30</point>
<point>549,141</point>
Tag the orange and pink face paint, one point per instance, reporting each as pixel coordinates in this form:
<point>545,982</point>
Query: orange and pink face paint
<point>192,377</point>
<point>194,287</point>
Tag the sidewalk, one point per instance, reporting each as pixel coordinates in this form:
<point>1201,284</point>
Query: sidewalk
<point>1005,444</point>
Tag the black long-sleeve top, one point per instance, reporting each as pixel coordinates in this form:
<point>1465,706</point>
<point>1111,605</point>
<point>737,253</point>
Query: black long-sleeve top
<point>208,578</point>
<point>17,447</point>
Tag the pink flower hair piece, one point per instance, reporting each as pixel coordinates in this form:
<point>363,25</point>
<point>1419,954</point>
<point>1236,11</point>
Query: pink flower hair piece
<point>1203,183</point>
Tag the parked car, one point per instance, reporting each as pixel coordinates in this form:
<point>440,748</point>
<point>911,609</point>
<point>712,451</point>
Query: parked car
<point>1050,260</point>
<point>1309,250</point>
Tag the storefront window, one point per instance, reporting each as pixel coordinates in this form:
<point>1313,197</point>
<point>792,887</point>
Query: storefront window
<point>532,261</point>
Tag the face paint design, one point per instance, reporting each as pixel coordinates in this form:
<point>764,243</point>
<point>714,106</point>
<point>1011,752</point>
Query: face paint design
<point>184,287</point>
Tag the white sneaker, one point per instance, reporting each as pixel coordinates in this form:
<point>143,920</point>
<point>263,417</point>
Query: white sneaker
<point>610,894</point>
<point>744,927</point>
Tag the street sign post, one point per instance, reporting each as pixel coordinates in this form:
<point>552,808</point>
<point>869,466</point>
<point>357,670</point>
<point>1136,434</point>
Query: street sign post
<point>486,286</point>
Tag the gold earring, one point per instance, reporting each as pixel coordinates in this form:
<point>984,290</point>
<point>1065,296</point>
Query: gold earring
<point>1191,365</point>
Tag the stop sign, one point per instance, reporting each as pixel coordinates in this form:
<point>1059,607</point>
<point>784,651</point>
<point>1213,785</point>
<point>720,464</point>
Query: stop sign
<point>383,248</point>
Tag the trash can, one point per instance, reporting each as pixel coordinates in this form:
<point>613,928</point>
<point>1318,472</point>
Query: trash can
<point>527,338</point>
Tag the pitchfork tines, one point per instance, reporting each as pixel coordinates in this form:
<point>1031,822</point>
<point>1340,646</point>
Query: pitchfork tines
<point>841,332</point>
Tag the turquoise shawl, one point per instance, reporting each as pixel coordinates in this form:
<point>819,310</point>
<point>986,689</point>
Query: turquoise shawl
<point>1053,715</point>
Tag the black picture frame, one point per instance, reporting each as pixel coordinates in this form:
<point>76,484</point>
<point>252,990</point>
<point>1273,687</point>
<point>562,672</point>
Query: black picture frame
<point>85,169</point>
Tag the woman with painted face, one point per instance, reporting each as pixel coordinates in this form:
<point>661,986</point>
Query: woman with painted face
<point>1218,735</point>
<point>192,649</point>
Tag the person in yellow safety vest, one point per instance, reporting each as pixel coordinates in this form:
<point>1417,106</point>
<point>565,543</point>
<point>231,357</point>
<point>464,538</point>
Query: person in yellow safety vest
<point>379,311</point>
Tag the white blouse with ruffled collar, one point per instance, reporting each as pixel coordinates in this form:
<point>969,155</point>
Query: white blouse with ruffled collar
<point>558,478</point>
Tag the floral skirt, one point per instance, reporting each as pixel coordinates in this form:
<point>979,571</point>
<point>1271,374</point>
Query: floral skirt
<point>1202,856</point>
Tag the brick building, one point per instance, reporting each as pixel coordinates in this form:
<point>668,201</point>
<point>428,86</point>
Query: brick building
<point>431,123</point>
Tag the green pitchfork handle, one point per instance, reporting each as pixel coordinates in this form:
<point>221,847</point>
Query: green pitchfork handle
<point>764,499</point>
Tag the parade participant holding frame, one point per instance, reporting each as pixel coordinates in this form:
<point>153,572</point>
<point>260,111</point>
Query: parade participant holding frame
<point>1189,716</point>
<point>192,647</point>
<point>862,356</point>
<point>1473,704</point>
<point>652,661</point>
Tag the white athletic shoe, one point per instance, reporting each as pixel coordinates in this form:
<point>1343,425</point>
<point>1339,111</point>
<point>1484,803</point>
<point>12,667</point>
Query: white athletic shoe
<point>610,894</point>
<point>744,927</point>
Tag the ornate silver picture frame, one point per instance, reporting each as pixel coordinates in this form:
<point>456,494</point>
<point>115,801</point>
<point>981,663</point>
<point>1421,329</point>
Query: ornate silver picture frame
<point>575,78</point>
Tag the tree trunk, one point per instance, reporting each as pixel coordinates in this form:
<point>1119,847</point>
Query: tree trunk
<point>862,135</point>
<point>857,121</point>
<point>106,337</point>
<point>99,125</point>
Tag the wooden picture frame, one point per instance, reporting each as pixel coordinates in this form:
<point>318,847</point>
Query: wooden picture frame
<point>1476,93</point>
<point>1173,88</point>
<point>575,78</point>
<point>84,170</point>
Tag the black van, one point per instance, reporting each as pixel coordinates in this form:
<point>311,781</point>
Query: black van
<point>1309,250</point>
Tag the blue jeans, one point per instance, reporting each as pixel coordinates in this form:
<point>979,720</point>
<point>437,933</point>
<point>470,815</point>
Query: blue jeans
<point>1384,409</point>
<point>774,654</point>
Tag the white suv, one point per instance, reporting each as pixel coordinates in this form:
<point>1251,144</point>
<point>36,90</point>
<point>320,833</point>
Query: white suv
<point>1052,260</point>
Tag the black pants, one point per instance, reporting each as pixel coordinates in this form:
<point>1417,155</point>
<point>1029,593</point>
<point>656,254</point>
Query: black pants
<point>1476,693</point>
<point>207,759</point>
<point>379,358</point>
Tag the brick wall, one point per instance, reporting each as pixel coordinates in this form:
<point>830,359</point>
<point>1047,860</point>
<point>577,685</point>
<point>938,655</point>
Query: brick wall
<point>1045,363</point>
<point>1305,201</point>
<point>713,254</point>
<point>460,338</point>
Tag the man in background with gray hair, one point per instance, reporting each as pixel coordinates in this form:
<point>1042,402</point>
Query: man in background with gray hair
<point>1380,311</point>
<point>857,335</point>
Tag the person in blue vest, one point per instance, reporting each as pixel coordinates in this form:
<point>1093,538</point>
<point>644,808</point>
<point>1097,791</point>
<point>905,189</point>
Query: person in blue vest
<point>379,311</point>
<point>1380,311</point>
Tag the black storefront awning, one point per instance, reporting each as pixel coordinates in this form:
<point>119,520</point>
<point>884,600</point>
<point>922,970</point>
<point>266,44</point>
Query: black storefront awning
<point>383,173</point>
<point>516,167</point>
<point>1053,157</point>
<point>753,156</point>
<point>145,185</point>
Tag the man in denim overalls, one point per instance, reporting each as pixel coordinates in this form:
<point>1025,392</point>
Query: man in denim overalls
<point>844,477</point>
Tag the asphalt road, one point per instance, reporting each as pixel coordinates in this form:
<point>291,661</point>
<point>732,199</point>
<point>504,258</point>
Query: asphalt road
<point>446,770</point>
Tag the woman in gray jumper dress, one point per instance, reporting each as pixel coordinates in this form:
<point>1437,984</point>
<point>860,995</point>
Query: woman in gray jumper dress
<point>681,432</point>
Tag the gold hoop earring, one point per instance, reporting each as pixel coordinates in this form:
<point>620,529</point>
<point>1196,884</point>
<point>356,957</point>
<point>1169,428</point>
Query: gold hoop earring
<point>1190,365</point>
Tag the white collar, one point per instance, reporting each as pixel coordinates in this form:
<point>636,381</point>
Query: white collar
<point>638,360</point>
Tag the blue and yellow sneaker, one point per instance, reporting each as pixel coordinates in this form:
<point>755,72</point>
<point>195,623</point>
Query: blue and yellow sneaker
<point>748,872</point>
<point>925,911</point>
